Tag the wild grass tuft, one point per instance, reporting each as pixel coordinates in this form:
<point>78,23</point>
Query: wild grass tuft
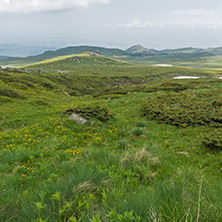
<point>138,131</point>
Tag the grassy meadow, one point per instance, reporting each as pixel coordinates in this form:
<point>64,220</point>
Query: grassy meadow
<point>150,150</point>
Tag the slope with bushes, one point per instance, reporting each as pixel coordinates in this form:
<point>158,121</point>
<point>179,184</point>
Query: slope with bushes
<point>120,165</point>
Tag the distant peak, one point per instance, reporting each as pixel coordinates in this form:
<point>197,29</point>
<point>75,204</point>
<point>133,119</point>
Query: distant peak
<point>137,46</point>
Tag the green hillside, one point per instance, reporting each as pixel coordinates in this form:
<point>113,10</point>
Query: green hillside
<point>149,151</point>
<point>69,62</point>
<point>188,57</point>
<point>138,49</point>
<point>63,52</point>
<point>87,74</point>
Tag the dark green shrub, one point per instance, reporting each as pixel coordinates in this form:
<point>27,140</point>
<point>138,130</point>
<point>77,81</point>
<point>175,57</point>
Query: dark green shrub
<point>47,85</point>
<point>4,99</point>
<point>185,109</point>
<point>217,103</point>
<point>95,111</point>
<point>40,101</point>
<point>74,93</point>
<point>168,86</point>
<point>10,93</point>
<point>111,96</point>
<point>213,139</point>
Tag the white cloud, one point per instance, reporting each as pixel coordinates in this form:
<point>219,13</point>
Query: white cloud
<point>195,12</point>
<point>138,24</point>
<point>183,18</point>
<point>20,6</point>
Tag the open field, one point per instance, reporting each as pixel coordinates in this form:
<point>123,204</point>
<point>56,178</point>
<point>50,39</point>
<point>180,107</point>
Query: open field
<point>150,150</point>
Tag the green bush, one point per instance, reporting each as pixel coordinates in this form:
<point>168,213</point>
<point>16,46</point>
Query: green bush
<point>111,96</point>
<point>166,86</point>
<point>185,109</point>
<point>10,93</point>
<point>213,139</point>
<point>40,101</point>
<point>95,111</point>
<point>4,99</point>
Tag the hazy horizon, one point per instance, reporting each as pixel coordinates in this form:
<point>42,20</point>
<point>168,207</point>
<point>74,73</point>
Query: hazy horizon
<point>121,24</point>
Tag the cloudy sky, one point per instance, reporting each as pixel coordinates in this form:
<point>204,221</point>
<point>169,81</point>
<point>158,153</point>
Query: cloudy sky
<point>112,23</point>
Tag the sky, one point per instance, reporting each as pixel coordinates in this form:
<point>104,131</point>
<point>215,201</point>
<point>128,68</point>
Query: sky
<point>158,24</point>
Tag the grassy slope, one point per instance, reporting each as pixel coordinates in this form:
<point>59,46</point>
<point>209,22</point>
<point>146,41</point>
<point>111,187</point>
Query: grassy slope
<point>63,52</point>
<point>129,168</point>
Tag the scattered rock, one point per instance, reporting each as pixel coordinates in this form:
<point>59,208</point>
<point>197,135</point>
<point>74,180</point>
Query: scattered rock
<point>184,153</point>
<point>62,71</point>
<point>76,59</point>
<point>78,119</point>
<point>92,53</point>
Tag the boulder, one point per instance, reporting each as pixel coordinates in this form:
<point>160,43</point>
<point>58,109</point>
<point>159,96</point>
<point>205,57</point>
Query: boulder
<point>78,119</point>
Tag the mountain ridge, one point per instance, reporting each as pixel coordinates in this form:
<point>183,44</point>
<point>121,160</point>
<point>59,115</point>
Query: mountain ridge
<point>136,53</point>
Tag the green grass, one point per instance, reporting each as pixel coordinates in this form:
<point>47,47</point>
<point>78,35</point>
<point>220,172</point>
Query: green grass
<point>128,167</point>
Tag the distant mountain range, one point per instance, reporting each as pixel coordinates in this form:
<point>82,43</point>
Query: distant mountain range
<point>138,49</point>
<point>16,50</point>
<point>135,52</point>
<point>62,52</point>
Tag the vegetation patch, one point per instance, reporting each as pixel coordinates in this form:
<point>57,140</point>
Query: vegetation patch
<point>11,93</point>
<point>4,99</point>
<point>95,111</point>
<point>165,86</point>
<point>185,109</point>
<point>212,139</point>
<point>141,162</point>
<point>39,101</point>
<point>137,131</point>
<point>122,144</point>
<point>111,96</point>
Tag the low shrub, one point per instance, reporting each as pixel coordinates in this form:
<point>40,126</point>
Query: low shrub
<point>4,99</point>
<point>111,96</point>
<point>166,86</point>
<point>11,93</point>
<point>95,111</point>
<point>185,109</point>
<point>40,101</point>
<point>213,139</point>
